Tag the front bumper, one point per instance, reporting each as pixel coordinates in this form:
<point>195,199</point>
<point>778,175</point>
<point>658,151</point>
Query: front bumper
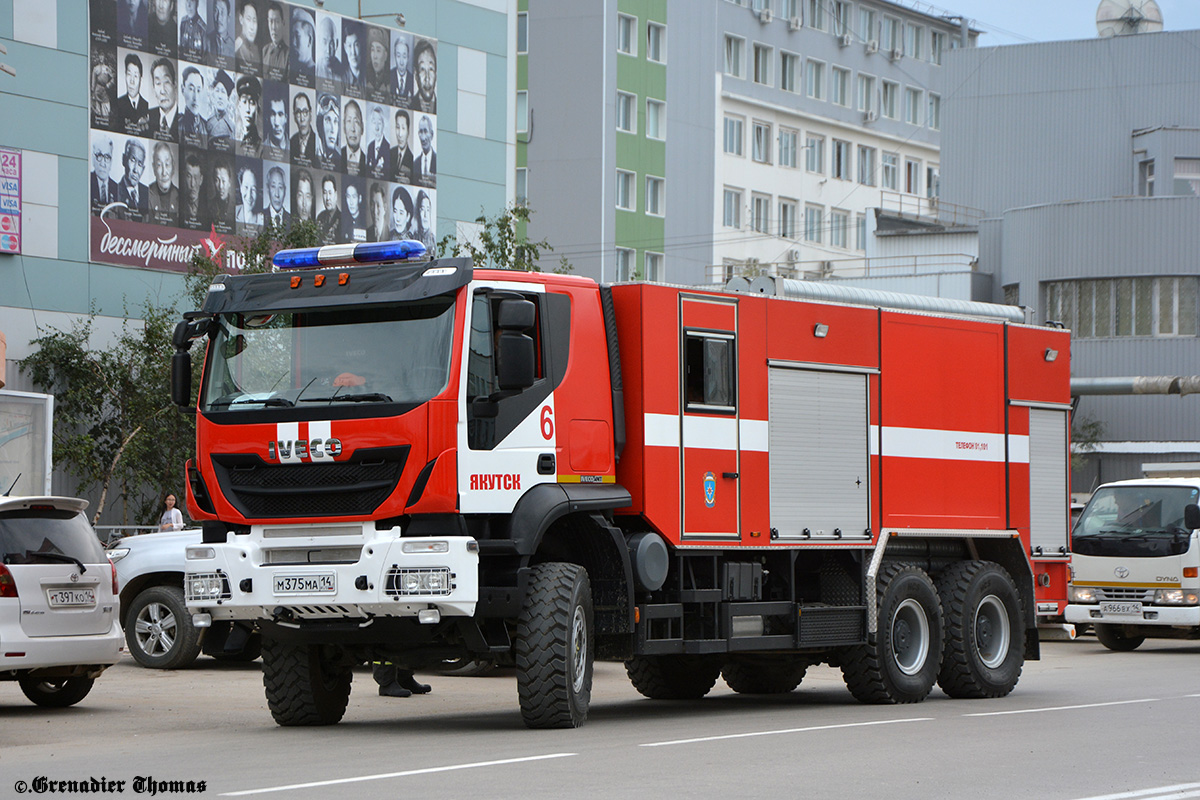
<point>1167,616</point>
<point>40,652</point>
<point>333,572</point>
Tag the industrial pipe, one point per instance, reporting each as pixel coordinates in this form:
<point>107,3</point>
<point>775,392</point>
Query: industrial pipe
<point>1142,384</point>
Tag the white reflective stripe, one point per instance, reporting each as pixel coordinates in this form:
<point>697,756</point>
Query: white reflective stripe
<point>710,433</point>
<point>947,445</point>
<point>1018,448</point>
<point>336,254</point>
<point>662,430</point>
<point>323,431</point>
<point>754,434</point>
<point>287,432</point>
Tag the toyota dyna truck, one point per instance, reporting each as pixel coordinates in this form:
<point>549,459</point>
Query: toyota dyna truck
<point>413,461</point>
<point>1136,562</point>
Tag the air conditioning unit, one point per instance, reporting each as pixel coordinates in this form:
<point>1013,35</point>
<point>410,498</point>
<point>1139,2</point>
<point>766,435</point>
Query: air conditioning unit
<point>873,46</point>
<point>794,24</point>
<point>870,116</point>
<point>896,54</point>
<point>793,256</point>
<point>844,40</point>
<point>765,16</point>
<point>932,202</point>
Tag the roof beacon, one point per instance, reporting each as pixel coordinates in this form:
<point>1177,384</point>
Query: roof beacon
<point>345,255</point>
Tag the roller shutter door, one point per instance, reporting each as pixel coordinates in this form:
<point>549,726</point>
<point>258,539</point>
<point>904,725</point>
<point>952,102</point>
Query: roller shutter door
<point>1048,480</point>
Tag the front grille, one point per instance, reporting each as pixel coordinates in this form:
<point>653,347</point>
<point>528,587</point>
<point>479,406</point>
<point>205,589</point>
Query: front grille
<point>262,490</point>
<point>1124,593</point>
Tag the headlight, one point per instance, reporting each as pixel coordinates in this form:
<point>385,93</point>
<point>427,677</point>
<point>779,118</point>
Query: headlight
<point>1082,594</point>
<point>1175,597</point>
<point>117,553</point>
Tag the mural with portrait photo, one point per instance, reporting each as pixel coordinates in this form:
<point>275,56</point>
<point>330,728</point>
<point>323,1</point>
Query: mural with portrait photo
<point>210,119</point>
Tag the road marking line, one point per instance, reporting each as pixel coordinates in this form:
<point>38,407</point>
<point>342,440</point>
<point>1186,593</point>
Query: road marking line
<point>1179,790</point>
<point>787,730</point>
<point>1062,708</point>
<point>404,774</point>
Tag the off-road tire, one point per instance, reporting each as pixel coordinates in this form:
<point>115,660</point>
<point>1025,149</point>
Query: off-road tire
<point>903,663</point>
<point>302,686</point>
<point>984,647</point>
<point>554,647</point>
<point>1114,638</point>
<point>767,674</point>
<point>673,677</point>
<point>159,629</point>
<point>56,692</point>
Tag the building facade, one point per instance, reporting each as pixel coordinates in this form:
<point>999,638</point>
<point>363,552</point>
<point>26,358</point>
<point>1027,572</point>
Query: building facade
<point>1090,215</point>
<point>725,137</point>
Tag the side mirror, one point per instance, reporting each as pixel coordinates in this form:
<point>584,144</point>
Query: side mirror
<point>181,379</point>
<point>1191,516</point>
<point>515,365</point>
<point>516,315</point>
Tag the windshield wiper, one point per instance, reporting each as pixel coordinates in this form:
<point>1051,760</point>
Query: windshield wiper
<point>51,557</point>
<point>370,397</point>
<point>277,400</point>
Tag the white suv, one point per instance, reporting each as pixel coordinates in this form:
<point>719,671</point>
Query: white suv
<point>58,600</point>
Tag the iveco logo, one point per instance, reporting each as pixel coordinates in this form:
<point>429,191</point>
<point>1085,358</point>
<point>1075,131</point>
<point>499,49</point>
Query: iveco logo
<point>301,448</point>
<point>1121,572</point>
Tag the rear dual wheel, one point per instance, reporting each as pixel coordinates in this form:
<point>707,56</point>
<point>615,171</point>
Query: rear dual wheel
<point>984,650</point>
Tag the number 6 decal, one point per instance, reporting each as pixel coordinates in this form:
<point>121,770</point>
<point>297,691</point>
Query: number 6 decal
<point>547,423</point>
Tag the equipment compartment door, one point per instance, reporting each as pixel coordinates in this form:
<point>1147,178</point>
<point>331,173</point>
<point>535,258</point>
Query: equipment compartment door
<point>1048,498</point>
<point>818,455</point>
<point>711,494</point>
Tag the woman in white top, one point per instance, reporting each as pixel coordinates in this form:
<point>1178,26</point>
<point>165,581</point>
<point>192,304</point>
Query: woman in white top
<point>172,519</point>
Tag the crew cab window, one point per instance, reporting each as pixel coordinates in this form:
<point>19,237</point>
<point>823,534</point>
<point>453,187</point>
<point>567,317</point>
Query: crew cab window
<point>709,372</point>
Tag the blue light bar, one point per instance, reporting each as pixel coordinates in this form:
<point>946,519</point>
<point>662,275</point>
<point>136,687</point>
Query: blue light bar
<point>346,255</point>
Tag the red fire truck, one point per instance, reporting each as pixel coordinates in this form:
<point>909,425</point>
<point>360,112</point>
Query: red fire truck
<point>415,461</point>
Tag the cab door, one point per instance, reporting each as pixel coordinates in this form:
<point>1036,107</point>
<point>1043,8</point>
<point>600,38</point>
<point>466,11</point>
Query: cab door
<point>711,483</point>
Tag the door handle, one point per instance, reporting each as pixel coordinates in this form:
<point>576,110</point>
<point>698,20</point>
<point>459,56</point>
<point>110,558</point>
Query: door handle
<point>732,475</point>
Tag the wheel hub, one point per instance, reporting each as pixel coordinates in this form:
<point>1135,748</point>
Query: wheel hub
<point>992,632</point>
<point>910,637</point>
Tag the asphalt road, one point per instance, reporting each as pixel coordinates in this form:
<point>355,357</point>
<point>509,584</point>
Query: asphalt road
<point>1082,723</point>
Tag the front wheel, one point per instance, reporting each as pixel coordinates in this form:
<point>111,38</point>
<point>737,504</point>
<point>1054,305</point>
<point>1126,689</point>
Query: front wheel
<point>1114,638</point>
<point>56,692</point>
<point>554,647</point>
<point>305,684</point>
<point>984,650</point>
<point>902,665</point>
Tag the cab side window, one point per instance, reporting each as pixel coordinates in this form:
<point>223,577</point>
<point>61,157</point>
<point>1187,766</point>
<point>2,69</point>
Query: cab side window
<point>482,369</point>
<point>709,373</point>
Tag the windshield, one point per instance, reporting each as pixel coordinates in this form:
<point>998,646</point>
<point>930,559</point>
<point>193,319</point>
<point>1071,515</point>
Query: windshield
<point>1128,511</point>
<point>47,536</point>
<point>399,354</point>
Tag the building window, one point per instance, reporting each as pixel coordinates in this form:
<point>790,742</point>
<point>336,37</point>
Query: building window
<point>788,66</point>
<point>1187,176</point>
<point>760,213</point>
<point>888,101</point>
<point>1146,178</point>
<point>814,154</point>
<point>523,32</point>
<point>1158,307</point>
<point>655,196</point>
<point>912,106</point>
<point>761,148</point>
<point>890,176</point>
<point>889,35</point>
<point>625,256</point>
<point>860,232</point>
<point>866,93</point>
<point>656,42</point>
<point>788,213</point>
<point>935,112</point>
<point>654,267</point>
<point>912,176</point>
<point>627,34</point>
<point>839,86</point>
<point>816,14</point>
<point>839,228</point>
<point>733,56</point>
<point>626,112</point>
<point>626,195</point>
<point>842,153</point>
<point>732,217</point>
<point>812,223</point>
<point>916,35</point>
<point>816,80</point>
<point>762,64</point>
<point>521,190</point>
<point>656,119</point>
<point>933,181</point>
<point>759,5</point>
<point>787,147</point>
<point>866,23</point>
<point>841,17</point>
<point>937,47</point>
<point>733,135</point>
<point>1012,294</point>
<point>866,165</point>
<point>791,9</point>
<point>522,111</point>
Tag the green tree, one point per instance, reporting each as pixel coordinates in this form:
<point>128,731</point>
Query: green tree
<point>502,243</point>
<point>1086,434</point>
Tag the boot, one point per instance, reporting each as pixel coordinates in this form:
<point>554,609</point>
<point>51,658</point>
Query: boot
<point>404,677</point>
<point>386,676</point>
